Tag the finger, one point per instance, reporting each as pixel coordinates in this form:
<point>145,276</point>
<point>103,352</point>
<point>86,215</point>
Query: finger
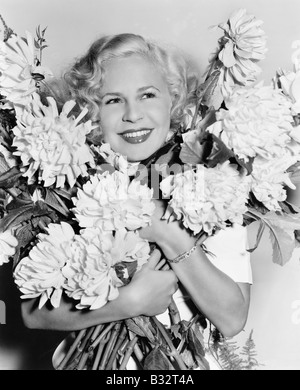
<point>160,265</point>
<point>154,259</point>
<point>166,267</point>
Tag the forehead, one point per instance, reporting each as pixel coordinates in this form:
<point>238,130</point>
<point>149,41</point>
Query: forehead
<point>132,71</point>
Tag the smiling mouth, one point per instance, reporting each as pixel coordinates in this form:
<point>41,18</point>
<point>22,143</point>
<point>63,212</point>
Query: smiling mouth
<point>136,136</point>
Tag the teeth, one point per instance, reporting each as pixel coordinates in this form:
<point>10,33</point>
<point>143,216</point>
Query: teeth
<point>136,134</point>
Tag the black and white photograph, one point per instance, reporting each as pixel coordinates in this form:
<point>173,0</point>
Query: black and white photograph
<point>149,187</point>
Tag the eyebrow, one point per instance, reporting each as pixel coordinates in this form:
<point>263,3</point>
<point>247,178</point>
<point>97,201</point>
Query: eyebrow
<point>141,89</point>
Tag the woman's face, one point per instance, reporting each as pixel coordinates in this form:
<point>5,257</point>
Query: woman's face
<point>135,107</point>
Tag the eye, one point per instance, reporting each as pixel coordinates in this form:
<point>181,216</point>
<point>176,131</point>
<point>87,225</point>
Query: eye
<point>113,101</point>
<point>148,95</point>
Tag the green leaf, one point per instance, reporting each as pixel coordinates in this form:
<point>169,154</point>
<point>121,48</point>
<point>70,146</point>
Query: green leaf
<point>22,200</point>
<point>283,245</point>
<point>3,199</point>
<point>24,235</point>
<point>4,167</point>
<point>125,270</point>
<point>295,173</point>
<point>196,345</point>
<point>141,326</point>
<point>175,329</point>
<point>295,177</point>
<point>258,236</point>
<point>248,165</point>
<point>289,208</point>
<point>54,201</point>
<point>36,44</point>
<point>192,149</point>
<point>9,178</point>
<point>62,193</point>
<point>15,217</point>
<point>282,233</point>
<point>219,153</point>
<point>157,360</point>
<point>195,339</point>
<point>297,237</point>
<point>24,213</point>
<point>211,91</point>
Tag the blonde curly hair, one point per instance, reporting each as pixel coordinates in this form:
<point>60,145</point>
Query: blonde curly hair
<point>85,77</point>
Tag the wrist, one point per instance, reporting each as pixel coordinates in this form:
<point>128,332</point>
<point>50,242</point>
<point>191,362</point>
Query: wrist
<point>132,299</point>
<point>181,252</point>
<point>175,244</point>
<point>129,305</point>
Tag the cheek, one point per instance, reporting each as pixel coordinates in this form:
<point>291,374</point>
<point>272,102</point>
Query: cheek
<point>162,114</point>
<point>108,123</point>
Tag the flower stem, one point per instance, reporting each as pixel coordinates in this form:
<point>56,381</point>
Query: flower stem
<point>138,353</point>
<point>103,333</point>
<point>42,225</point>
<point>13,192</point>
<point>174,313</point>
<point>193,124</point>
<point>71,350</point>
<point>174,351</point>
<point>109,346</point>
<point>84,342</point>
<point>97,330</point>
<point>118,344</point>
<point>128,353</point>
<point>100,350</point>
<point>182,342</point>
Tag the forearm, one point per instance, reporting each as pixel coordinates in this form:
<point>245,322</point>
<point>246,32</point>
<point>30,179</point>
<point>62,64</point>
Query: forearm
<point>148,293</point>
<point>224,302</point>
<point>67,318</point>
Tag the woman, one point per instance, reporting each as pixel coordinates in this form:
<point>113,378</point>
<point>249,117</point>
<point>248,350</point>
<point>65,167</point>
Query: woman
<point>138,93</point>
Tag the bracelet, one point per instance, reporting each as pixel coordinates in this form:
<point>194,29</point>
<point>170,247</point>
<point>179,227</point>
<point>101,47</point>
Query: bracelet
<point>200,240</point>
<point>183,256</point>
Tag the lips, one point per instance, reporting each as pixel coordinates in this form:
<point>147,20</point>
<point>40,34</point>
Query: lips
<point>136,136</point>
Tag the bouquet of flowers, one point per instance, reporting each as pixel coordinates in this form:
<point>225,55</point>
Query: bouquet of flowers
<point>71,211</point>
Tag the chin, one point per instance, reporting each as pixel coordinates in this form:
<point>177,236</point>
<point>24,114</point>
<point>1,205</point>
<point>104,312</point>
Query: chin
<point>139,153</point>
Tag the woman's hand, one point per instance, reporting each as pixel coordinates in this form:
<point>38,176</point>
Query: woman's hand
<point>150,290</point>
<point>169,234</point>
<point>152,232</point>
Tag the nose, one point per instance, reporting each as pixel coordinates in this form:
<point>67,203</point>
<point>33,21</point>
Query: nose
<point>132,112</point>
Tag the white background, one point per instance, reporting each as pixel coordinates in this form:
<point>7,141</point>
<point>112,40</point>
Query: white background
<point>71,26</point>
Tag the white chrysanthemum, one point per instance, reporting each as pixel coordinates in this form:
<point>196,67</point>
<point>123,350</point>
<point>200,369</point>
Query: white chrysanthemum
<point>257,121</point>
<point>116,160</point>
<point>269,179</point>
<point>112,201</point>
<point>207,198</point>
<point>40,274</point>
<point>90,273</point>
<point>18,70</point>
<point>290,81</point>
<point>51,143</point>
<point>8,243</point>
<point>243,45</point>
